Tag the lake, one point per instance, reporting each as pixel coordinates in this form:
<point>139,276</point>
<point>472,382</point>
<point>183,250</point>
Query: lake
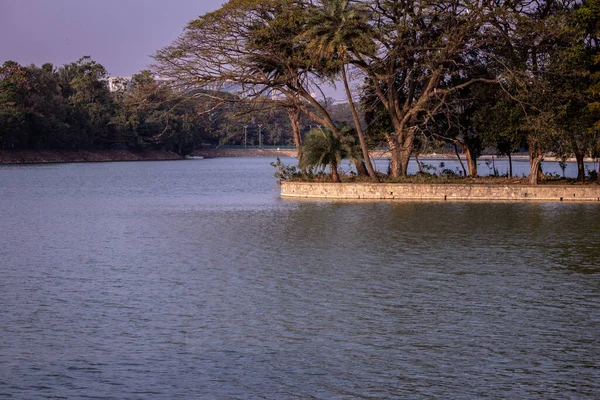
<point>486,166</point>
<point>193,279</point>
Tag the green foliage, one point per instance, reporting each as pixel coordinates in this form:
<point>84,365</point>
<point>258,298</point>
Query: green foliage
<point>322,148</point>
<point>42,107</point>
<point>284,171</point>
<point>71,108</point>
<point>429,170</point>
<point>588,18</point>
<point>333,30</point>
<point>563,165</point>
<point>377,118</point>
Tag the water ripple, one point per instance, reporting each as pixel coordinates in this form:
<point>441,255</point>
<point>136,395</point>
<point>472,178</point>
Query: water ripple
<point>193,280</point>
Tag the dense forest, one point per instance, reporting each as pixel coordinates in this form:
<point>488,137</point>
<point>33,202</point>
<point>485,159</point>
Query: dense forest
<point>71,107</point>
<point>471,74</point>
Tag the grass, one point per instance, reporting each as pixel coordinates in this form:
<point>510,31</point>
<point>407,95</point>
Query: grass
<point>435,179</point>
<point>292,174</point>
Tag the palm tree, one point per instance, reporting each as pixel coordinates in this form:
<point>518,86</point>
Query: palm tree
<point>275,52</point>
<point>323,148</point>
<point>335,30</point>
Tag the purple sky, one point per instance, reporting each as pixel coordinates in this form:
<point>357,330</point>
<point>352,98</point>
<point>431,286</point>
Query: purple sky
<point>119,34</point>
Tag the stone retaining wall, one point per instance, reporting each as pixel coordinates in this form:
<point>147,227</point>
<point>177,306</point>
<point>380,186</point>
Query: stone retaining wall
<point>466,192</point>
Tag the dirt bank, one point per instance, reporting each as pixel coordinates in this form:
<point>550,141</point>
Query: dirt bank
<point>210,153</point>
<point>68,156</point>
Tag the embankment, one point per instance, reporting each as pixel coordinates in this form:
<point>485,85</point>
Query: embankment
<point>441,192</point>
<point>68,156</point>
<point>210,153</point>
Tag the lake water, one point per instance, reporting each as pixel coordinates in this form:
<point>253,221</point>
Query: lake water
<point>486,166</point>
<point>193,280</point>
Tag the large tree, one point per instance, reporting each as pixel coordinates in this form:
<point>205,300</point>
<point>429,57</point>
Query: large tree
<point>334,28</point>
<point>261,47</point>
<point>248,44</point>
<point>556,54</point>
<point>425,52</point>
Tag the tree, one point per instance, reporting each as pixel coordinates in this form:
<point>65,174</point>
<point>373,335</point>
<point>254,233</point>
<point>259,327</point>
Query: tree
<point>321,149</point>
<point>14,85</point>
<point>422,48</point>
<point>541,50</point>
<point>456,124</point>
<point>334,28</point>
<point>154,115</point>
<point>499,120</point>
<point>91,106</point>
<point>253,44</point>
<point>588,17</point>
<point>233,46</point>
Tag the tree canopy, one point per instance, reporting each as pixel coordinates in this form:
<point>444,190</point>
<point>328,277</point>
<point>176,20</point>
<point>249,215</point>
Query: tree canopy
<point>434,67</point>
<point>71,107</point>
<point>474,74</point>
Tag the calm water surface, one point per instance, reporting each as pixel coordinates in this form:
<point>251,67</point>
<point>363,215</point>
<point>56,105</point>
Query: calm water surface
<point>192,279</point>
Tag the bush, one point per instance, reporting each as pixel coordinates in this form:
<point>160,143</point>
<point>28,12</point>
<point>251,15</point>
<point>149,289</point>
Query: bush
<point>284,171</point>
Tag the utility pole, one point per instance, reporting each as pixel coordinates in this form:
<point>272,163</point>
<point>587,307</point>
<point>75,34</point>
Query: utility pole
<point>245,136</point>
<point>260,136</point>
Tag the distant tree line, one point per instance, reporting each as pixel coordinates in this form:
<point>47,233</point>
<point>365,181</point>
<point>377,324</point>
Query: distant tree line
<point>71,107</point>
<point>471,74</point>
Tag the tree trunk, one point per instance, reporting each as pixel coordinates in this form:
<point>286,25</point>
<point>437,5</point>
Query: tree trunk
<point>510,166</point>
<point>404,160</point>
<point>579,156</point>
<point>294,115</point>
<point>361,169</point>
<point>406,151</point>
<point>534,167</point>
<point>459,159</point>
<point>418,162</point>
<point>540,172</point>
<point>471,162</point>
<point>361,137</point>
<point>395,168</point>
<point>335,176</point>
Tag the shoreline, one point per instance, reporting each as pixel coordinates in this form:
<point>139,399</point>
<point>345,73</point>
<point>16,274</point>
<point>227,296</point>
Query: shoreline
<point>377,154</point>
<point>8,157</point>
<point>214,153</point>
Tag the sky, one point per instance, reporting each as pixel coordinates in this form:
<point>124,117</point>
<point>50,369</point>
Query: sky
<point>119,34</point>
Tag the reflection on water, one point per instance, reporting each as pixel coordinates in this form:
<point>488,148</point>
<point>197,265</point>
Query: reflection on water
<point>194,280</point>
